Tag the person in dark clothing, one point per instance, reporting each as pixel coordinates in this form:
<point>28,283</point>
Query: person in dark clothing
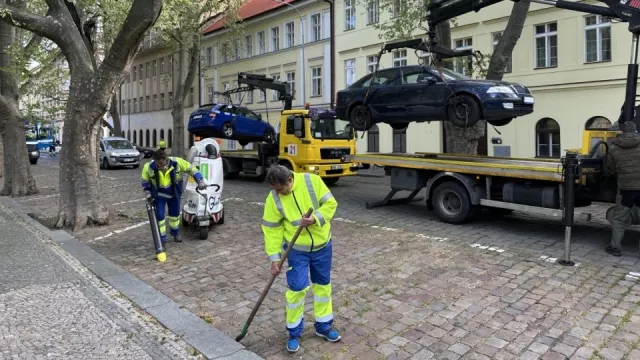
<point>624,163</point>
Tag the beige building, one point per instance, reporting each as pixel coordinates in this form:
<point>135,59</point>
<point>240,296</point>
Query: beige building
<point>555,57</point>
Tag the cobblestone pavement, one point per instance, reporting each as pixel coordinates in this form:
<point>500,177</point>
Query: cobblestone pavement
<point>405,284</point>
<point>52,307</point>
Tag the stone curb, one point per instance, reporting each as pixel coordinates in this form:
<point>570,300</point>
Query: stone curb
<point>209,341</point>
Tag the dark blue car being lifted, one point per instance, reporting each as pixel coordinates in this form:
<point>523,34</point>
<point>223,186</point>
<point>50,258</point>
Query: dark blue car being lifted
<point>401,95</point>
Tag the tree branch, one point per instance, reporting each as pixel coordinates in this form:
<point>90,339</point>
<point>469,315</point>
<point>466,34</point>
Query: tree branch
<point>40,25</point>
<point>44,69</point>
<point>33,43</point>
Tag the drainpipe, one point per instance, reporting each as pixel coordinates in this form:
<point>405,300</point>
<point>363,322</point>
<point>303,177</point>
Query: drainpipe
<point>332,42</point>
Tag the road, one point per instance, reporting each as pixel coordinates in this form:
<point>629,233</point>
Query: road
<point>405,284</point>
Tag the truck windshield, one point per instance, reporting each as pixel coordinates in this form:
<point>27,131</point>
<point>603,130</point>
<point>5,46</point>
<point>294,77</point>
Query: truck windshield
<point>331,129</point>
<point>118,145</point>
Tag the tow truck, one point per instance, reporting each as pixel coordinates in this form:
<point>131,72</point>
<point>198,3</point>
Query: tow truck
<point>310,140</point>
<point>457,186</point>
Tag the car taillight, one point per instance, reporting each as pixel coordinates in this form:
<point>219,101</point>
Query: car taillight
<point>212,115</point>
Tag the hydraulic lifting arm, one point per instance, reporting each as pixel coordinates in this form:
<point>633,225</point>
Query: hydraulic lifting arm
<point>627,11</point>
<point>263,82</point>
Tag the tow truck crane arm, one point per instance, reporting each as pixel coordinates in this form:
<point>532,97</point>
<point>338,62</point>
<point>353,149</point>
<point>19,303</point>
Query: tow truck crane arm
<point>627,11</point>
<point>263,82</point>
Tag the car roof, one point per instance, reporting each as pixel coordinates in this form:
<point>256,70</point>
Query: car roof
<point>114,138</point>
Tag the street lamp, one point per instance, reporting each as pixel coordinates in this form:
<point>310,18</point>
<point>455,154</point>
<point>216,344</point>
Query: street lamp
<point>304,70</point>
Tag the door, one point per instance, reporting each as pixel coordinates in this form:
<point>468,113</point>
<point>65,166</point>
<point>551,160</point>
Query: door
<point>413,95</point>
<point>290,144</point>
<point>383,94</point>
<point>436,95</point>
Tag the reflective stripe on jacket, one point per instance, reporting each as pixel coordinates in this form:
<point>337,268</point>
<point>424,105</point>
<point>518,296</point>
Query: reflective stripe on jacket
<point>283,214</point>
<point>170,180</point>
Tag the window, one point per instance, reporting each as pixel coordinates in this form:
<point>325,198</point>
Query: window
<point>261,43</point>
<point>291,79</point>
<point>209,56</point>
<point>191,97</point>
<point>349,71</point>
<point>248,45</point>
<point>249,97</point>
<point>162,101</point>
<point>148,142</point>
<point>210,94</point>
<point>371,63</point>
<point>169,138</point>
<point>548,138</point>
<point>349,15</point>
<point>400,140</point>
<point>155,67</point>
<point>148,108</point>
<point>237,96</point>
<point>155,102</point>
<point>275,39</point>
<point>231,145</point>
<point>225,86</point>
<point>262,96</point>
<point>135,137</point>
<point>316,27</point>
<point>170,99</point>
<point>316,81</point>
<point>496,37</point>
<point>141,71</point>
<point>373,139</point>
<point>597,38</point>
<point>399,8</point>
<point>546,45</point>
<point>142,109</point>
<point>237,53</point>
<point>275,94</point>
<point>290,32</point>
<point>135,73</point>
<point>373,12</point>
<point>155,137</point>
<point>129,106</point>
<point>598,123</point>
<point>148,69</point>
<point>162,65</point>
<point>225,52</point>
<point>135,105</point>
<point>399,58</point>
<point>162,134</point>
<point>463,65</point>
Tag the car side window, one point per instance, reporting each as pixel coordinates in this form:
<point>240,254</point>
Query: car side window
<point>414,76</point>
<point>384,77</point>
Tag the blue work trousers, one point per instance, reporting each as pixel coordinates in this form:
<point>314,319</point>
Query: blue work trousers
<point>174,216</point>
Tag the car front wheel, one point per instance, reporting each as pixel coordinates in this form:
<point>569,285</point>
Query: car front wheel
<point>463,111</point>
<point>270,136</point>
<point>360,118</point>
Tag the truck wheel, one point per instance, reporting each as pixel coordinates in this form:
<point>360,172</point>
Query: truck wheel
<point>204,232</point>
<point>463,111</point>
<point>501,122</point>
<point>452,203</point>
<point>225,172</point>
<point>330,181</point>
<point>360,118</point>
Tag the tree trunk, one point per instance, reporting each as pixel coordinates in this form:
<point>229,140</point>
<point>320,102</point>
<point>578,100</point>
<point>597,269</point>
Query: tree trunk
<point>1,157</point>
<point>114,110</point>
<point>17,170</point>
<point>80,193</point>
<point>463,140</point>
<point>177,111</point>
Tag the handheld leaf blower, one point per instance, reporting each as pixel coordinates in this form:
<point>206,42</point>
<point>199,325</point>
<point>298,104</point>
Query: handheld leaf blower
<point>155,230</point>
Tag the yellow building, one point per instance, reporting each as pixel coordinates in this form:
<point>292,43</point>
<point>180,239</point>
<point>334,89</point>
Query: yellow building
<point>556,57</point>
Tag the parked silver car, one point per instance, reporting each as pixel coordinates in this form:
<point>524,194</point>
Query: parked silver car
<point>118,152</point>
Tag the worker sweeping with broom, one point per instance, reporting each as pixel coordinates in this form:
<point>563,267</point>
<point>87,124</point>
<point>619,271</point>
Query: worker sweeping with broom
<point>284,211</point>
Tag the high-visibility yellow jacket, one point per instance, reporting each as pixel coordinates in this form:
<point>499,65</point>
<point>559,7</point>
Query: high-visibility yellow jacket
<point>167,183</point>
<point>283,214</point>
<point>162,144</point>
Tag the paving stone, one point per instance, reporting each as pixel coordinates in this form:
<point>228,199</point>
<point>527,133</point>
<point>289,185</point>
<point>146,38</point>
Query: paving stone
<point>459,348</point>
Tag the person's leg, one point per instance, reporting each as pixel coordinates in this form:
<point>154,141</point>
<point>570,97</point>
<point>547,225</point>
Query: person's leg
<point>162,224</point>
<point>298,283</point>
<point>174,218</point>
<point>321,286</point>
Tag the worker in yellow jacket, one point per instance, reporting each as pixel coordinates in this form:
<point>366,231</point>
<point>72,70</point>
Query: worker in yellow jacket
<point>162,145</point>
<point>162,180</point>
<point>291,196</point>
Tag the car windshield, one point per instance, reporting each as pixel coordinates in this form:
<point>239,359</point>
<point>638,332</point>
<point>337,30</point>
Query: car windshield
<point>331,129</point>
<point>451,75</point>
<point>118,145</point>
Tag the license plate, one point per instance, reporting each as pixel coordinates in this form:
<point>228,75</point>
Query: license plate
<point>129,160</point>
<point>528,100</point>
<point>204,222</point>
<point>197,116</point>
<point>336,167</point>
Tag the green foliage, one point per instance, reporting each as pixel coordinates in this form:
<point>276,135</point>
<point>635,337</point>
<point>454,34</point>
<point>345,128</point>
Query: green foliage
<point>398,18</point>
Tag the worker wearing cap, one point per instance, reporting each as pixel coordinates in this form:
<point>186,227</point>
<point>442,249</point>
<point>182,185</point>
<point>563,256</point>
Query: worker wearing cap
<point>162,180</point>
<point>162,145</point>
<point>291,196</point>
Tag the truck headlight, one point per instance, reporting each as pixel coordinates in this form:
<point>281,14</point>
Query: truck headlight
<point>313,168</point>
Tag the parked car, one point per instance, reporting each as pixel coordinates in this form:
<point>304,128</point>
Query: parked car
<point>118,152</point>
<point>34,153</point>
<point>405,94</point>
<point>230,122</point>
<point>144,152</point>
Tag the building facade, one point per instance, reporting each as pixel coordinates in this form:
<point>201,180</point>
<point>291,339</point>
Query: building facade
<point>569,60</point>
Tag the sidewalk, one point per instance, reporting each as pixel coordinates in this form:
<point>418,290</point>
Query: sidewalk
<point>52,306</point>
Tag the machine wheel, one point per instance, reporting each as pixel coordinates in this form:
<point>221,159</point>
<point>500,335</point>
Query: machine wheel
<point>33,161</point>
<point>360,118</point>
<point>452,203</point>
<point>184,222</point>
<point>105,163</point>
<point>330,181</point>
<point>463,111</point>
<point>501,122</point>
<point>204,232</point>
<point>221,222</point>
<point>227,130</point>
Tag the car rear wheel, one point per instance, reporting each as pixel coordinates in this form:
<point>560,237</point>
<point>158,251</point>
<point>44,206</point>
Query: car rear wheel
<point>270,136</point>
<point>227,130</point>
<point>360,118</point>
<point>501,122</point>
<point>463,111</point>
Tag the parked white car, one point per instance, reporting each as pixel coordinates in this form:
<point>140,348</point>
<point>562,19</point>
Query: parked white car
<point>118,152</point>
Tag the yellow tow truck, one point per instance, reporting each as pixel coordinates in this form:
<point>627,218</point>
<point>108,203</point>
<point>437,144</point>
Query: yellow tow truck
<point>310,140</point>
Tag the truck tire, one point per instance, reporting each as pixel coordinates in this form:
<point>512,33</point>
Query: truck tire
<point>204,232</point>
<point>225,171</point>
<point>463,111</point>
<point>452,203</point>
<point>330,181</point>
